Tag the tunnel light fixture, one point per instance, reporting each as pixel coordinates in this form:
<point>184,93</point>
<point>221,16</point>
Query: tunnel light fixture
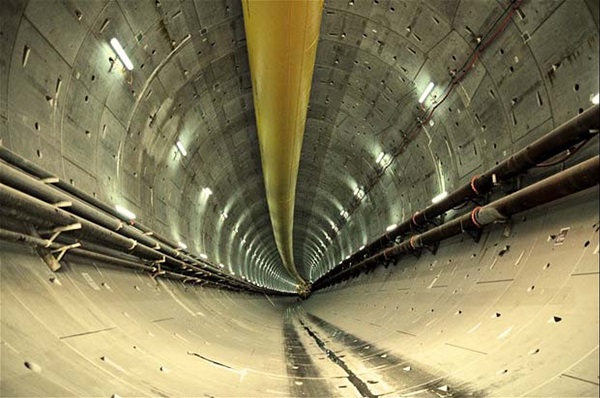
<point>181,148</point>
<point>344,214</point>
<point>121,53</point>
<point>207,191</point>
<point>426,93</point>
<point>359,192</point>
<point>390,227</point>
<point>224,215</point>
<point>125,212</point>
<point>362,247</point>
<point>439,198</point>
<point>595,99</point>
<point>380,157</point>
<point>221,265</point>
<point>204,256</point>
<point>182,245</point>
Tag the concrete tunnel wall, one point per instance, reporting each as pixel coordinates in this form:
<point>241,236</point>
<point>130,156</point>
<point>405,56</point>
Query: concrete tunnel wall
<point>112,134</point>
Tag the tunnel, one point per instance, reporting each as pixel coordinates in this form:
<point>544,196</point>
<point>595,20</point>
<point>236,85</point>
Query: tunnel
<point>442,238</point>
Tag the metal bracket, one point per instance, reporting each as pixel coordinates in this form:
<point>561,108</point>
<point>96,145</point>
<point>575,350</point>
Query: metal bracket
<point>58,230</point>
<point>63,250</point>
<point>64,203</point>
<point>475,234</point>
<point>434,248</point>
<point>50,180</point>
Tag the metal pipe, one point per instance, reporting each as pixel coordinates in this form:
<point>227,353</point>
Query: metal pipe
<point>580,128</point>
<point>575,179</point>
<point>282,39</point>
<point>22,203</point>
<point>17,237</point>
<point>50,194</point>
<point>35,170</point>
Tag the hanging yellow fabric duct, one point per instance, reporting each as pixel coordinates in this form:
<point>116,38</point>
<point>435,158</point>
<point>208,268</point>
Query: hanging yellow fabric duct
<point>282,41</point>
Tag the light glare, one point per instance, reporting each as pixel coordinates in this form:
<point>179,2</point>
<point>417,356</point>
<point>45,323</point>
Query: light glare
<point>126,213</point>
<point>121,53</point>
<point>390,227</point>
<point>426,93</point>
<point>439,197</point>
<point>181,148</point>
<point>596,99</point>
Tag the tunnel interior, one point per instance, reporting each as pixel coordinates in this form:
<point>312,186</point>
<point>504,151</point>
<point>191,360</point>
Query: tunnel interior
<point>510,311</point>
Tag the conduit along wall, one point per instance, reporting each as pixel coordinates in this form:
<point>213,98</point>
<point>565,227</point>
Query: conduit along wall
<point>567,138</point>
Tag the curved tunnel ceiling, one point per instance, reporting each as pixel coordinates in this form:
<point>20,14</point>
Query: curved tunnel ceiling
<point>112,132</point>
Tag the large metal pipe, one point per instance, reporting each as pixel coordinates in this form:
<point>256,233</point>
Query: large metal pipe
<point>576,130</point>
<point>577,178</point>
<point>282,41</point>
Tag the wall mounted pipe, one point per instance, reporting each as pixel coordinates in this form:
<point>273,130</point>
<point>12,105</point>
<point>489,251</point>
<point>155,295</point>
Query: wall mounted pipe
<point>16,237</point>
<point>35,170</point>
<point>580,128</point>
<point>282,39</point>
<point>48,193</point>
<point>575,179</point>
<point>22,203</point>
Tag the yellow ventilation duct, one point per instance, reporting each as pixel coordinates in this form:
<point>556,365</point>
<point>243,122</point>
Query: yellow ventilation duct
<point>282,41</point>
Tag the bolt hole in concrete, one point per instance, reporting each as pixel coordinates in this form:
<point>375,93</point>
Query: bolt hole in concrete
<point>547,266</point>
<point>33,366</point>
<point>496,315</point>
<point>535,351</point>
<point>39,153</point>
<point>37,126</point>
<point>556,319</point>
<point>586,244</point>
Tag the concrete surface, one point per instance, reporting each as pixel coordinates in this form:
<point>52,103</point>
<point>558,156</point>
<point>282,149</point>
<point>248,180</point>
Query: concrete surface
<point>68,104</point>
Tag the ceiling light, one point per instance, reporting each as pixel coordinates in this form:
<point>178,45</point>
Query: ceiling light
<point>359,192</point>
<point>225,215</point>
<point>126,213</point>
<point>204,256</point>
<point>181,148</point>
<point>390,227</point>
<point>207,191</point>
<point>362,247</point>
<point>221,265</point>
<point>182,245</point>
<point>380,157</point>
<point>121,53</point>
<point>595,99</point>
<point>426,93</point>
<point>439,197</point>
